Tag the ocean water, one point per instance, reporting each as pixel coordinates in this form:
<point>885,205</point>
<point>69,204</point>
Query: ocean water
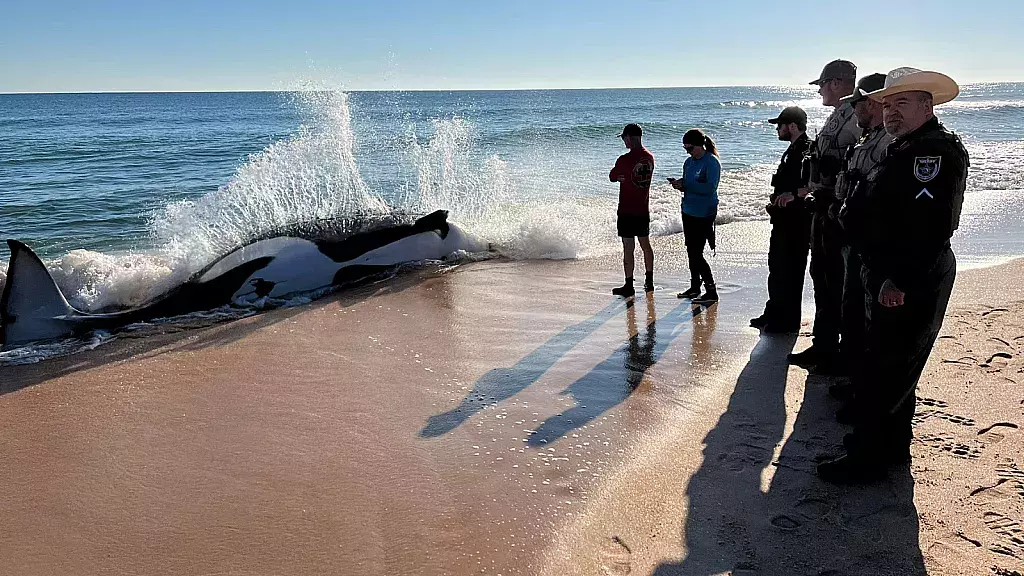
<point>125,195</point>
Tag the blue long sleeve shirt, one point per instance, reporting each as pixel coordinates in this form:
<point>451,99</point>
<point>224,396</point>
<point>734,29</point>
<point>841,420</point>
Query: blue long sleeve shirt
<point>700,185</point>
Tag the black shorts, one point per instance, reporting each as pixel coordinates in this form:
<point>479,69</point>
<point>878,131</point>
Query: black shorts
<point>634,225</point>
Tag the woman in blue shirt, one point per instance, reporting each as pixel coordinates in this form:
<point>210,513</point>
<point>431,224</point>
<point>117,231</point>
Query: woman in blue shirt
<point>699,185</point>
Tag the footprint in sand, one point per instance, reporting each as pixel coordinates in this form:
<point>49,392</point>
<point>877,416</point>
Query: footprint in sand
<point>1005,572</point>
<point>1010,471</point>
<point>947,443</point>
<point>996,432</point>
<point>783,522</point>
<point>954,418</point>
<point>997,361</point>
<point>997,493</point>
<point>616,557</point>
<point>1008,529</point>
<point>932,403</point>
<point>1001,341</point>
<point>813,508</point>
<point>922,415</point>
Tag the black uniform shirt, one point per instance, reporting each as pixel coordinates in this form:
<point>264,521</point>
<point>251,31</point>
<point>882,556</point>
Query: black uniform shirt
<point>912,206</point>
<point>788,177</point>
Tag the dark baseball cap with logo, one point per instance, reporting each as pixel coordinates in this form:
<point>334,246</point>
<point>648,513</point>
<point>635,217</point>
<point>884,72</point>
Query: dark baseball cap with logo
<point>632,130</point>
<point>837,69</point>
<point>867,84</point>
<point>791,114</point>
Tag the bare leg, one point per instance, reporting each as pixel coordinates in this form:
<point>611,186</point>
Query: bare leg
<point>645,245</point>
<point>628,246</point>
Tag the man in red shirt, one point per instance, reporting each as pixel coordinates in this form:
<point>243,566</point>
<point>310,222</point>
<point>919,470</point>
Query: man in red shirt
<point>633,171</point>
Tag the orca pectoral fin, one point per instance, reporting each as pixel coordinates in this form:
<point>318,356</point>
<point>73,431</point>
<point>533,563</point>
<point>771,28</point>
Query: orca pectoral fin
<point>32,306</point>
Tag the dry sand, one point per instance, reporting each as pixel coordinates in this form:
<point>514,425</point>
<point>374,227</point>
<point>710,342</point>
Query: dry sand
<point>505,418</point>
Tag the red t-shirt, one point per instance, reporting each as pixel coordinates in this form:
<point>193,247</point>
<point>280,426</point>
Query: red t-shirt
<point>634,193</point>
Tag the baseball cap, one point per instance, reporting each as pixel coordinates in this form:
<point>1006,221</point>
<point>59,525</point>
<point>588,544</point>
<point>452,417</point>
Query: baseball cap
<point>867,84</point>
<point>632,130</point>
<point>790,114</point>
<point>842,69</point>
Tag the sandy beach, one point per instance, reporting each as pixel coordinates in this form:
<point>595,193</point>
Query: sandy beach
<point>508,418</point>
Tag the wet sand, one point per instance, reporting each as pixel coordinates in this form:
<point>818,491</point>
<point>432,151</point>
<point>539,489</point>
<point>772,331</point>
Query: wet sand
<point>502,418</point>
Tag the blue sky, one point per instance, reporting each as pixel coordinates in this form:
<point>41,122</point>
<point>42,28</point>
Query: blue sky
<point>111,45</point>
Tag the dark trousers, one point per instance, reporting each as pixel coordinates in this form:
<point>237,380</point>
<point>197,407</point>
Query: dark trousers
<point>898,342</point>
<point>828,271</point>
<point>696,233</point>
<point>852,323</point>
<point>787,262</point>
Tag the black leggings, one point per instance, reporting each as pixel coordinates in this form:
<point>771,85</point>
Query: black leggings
<point>697,232</point>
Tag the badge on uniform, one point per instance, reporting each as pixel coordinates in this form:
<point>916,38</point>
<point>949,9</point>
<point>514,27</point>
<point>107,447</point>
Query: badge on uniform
<point>926,168</point>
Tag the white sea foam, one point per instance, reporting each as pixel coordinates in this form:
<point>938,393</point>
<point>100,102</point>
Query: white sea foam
<point>310,176</point>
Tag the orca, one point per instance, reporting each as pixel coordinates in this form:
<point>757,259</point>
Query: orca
<point>277,265</point>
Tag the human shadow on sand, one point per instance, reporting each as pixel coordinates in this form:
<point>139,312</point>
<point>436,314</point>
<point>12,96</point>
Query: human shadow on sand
<point>750,514</point>
<point>614,379</point>
<point>500,384</point>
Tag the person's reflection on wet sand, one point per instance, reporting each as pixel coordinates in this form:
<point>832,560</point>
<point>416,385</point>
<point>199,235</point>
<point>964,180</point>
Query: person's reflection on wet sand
<point>640,349</point>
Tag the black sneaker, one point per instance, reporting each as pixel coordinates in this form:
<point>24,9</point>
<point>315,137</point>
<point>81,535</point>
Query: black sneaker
<point>759,322</point>
<point>709,297</point>
<point>692,293</point>
<point>624,290</point>
<point>649,286</point>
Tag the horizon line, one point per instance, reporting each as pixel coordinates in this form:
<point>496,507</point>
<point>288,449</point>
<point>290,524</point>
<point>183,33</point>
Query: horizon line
<point>549,89</point>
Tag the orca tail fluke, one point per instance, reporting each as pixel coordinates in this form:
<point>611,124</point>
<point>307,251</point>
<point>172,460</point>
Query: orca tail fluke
<point>32,306</point>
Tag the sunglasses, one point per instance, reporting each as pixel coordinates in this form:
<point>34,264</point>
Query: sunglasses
<point>688,147</point>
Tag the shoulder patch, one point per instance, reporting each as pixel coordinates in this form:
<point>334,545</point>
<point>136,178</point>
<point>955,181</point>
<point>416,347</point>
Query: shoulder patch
<point>926,168</point>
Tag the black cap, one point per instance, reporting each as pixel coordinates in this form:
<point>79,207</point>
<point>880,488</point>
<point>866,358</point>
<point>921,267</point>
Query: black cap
<point>632,130</point>
<point>791,114</point>
<point>837,69</point>
<point>867,84</point>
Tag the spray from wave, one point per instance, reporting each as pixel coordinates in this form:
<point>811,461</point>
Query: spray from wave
<point>313,176</point>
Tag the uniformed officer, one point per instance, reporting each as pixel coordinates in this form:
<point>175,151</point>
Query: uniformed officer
<point>825,156</point>
<point>791,229</point>
<point>912,206</point>
<point>860,160</point>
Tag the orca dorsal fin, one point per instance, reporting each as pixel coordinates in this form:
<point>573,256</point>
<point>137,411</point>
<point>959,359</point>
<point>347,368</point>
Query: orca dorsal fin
<point>32,306</point>
<point>436,220</point>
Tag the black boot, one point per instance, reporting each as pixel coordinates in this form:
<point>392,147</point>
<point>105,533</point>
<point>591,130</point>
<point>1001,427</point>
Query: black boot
<point>693,292</point>
<point>760,322</point>
<point>710,295</point>
<point>649,282</point>
<point>626,289</point>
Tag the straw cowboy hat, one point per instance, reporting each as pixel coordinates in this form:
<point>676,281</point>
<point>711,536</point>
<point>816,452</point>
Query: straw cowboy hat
<point>942,88</point>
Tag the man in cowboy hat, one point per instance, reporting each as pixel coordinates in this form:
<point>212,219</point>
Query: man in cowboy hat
<point>912,205</point>
<point>860,161</point>
<point>826,155</point>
